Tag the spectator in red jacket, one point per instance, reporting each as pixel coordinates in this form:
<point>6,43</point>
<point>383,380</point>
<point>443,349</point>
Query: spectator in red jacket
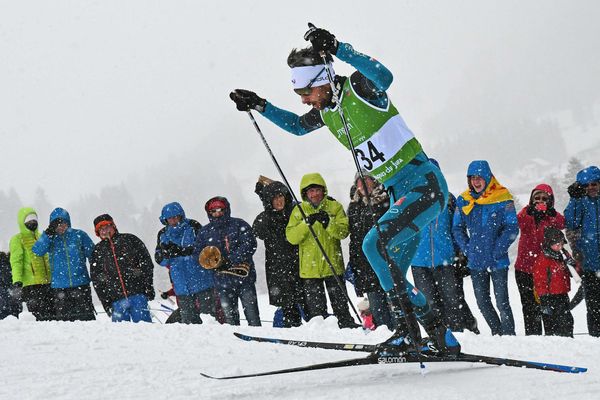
<point>552,281</point>
<point>533,219</point>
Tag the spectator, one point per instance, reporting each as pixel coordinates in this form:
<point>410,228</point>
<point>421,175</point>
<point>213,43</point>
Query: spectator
<point>485,225</point>
<point>68,250</point>
<point>361,220</point>
<point>433,269</point>
<point>533,220</point>
<point>30,272</point>
<point>10,303</point>
<point>121,270</point>
<point>281,257</point>
<point>227,244</point>
<point>330,224</point>
<point>583,219</point>
<point>194,286</point>
<point>552,281</point>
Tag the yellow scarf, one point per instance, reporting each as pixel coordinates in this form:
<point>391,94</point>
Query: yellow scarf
<point>493,193</point>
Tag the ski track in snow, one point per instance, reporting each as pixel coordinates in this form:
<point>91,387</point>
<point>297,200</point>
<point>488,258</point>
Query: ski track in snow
<point>99,360</point>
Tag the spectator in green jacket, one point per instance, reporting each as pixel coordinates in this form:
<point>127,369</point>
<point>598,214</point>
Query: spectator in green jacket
<point>30,273</point>
<point>330,224</point>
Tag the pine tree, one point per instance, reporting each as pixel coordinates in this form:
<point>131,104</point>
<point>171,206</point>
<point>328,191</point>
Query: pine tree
<point>573,167</point>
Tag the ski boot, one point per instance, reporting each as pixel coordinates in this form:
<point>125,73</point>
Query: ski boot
<point>407,335</point>
<point>441,340</point>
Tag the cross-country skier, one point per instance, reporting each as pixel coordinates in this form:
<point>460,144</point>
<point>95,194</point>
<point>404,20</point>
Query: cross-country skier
<point>386,148</point>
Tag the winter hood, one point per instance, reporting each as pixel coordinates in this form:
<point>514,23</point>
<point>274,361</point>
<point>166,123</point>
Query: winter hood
<point>546,189</point>
<point>493,193</point>
<point>226,212</point>
<point>171,210</point>
<point>273,189</point>
<point>480,168</point>
<point>589,174</point>
<point>312,179</point>
<point>24,212</point>
<point>62,214</point>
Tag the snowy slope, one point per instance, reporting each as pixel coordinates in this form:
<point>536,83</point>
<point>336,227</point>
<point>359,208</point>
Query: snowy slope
<point>99,360</point>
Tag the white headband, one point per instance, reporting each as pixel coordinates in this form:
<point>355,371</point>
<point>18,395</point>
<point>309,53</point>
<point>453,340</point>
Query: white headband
<point>30,217</point>
<point>302,76</point>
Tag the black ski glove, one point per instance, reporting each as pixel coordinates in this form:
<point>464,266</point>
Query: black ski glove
<point>170,250</point>
<point>321,217</point>
<point>180,251</point>
<point>246,100</point>
<point>576,190</point>
<point>321,40</point>
<point>51,229</point>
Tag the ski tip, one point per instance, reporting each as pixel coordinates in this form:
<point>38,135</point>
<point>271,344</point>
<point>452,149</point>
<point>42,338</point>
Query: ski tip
<point>242,336</point>
<point>208,376</point>
<point>562,368</point>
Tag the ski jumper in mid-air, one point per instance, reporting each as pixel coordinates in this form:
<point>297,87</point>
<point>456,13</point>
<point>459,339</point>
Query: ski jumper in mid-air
<point>388,151</point>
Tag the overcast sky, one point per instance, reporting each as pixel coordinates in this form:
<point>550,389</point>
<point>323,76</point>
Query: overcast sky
<point>92,92</point>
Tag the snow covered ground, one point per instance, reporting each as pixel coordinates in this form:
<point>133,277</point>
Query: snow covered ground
<point>99,360</point>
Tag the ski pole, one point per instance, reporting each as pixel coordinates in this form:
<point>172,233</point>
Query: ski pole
<point>303,214</point>
<point>336,99</point>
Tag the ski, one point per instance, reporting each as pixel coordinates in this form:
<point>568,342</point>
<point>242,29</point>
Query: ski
<point>405,358</point>
<point>369,348</point>
<point>370,359</point>
<point>387,357</point>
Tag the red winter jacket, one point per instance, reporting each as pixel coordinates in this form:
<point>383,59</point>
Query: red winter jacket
<point>532,234</point>
<point>550,276</point>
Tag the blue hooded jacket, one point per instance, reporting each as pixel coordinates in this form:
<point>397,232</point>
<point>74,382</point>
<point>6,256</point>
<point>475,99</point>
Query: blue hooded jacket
<point>584,214</point>
<point>235,240</point>
<point>485,235</point>
<point>436,247</point>
<point>67,253</point>
<point>187,275</point>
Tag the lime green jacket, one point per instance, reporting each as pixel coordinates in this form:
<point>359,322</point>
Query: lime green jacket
<point>26,266</point>
<point>312,262</point>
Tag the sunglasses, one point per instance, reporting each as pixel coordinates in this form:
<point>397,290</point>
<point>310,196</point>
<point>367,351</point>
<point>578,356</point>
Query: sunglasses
<point>215,211</point>
<point>541,198</point>
<point>592,184</point>
<point>305,91</point>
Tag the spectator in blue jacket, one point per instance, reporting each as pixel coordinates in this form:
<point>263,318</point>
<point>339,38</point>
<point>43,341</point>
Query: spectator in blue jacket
<point>194,286</point>
<point>68,250</point>
<point>433,269</point>
<point>484,226</point>
<point>582,215</point>
<point>234,244</point>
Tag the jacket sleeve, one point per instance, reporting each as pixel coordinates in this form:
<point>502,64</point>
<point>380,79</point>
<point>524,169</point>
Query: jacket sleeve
<point>508,231</point>
<point>572,214</point>
<point>245,244</point>
<point>459,231</point>
<point>355,241</point>
<point>42,246</point>
<point>296,124</point>
<point>145,263</point>
<point>338,226</point>
<point>296,230</point>
<point>540,276</point>
<point>16,259</point>
<point>158,257</point>
<point>259,226</point>
<point>88,245</point>
<point>99,279</point>
<point>372,69</point>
